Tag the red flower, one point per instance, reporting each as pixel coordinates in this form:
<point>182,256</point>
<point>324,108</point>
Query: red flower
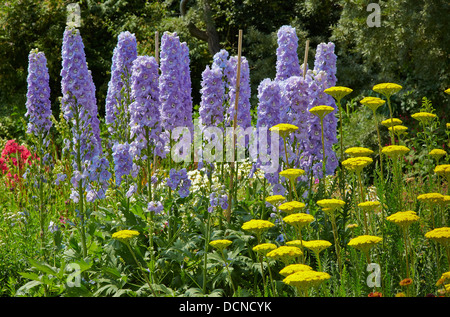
<point>16,157</point>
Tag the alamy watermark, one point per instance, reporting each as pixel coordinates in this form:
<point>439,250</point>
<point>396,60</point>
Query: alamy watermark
<point>216,144</point>
<point>374,18</point>
<point>374,278</point>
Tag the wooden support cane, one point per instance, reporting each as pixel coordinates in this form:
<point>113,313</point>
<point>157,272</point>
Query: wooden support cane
<point>238,81</point>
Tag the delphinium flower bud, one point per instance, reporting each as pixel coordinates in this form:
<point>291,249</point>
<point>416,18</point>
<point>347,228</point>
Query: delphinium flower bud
<point>38,95</point>
<point>325,60</point>
<point>287,58</point>
<point>220,59</point>
<point>118,96</point>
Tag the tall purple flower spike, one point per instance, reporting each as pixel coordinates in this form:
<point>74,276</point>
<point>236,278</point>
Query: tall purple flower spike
<point>119,85</point>
<point>269,98</point>
<point>78,95</point>
<point>144,110</point>
<point>295,93</point>
<point>325,63</point>
<point>38,95</point>
<point>175,84</point>
<point>79,107</point>
<point>287,59</point>
<point>244,115</point>
<point>211,112</point>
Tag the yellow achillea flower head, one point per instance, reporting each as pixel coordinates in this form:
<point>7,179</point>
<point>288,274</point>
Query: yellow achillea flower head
<point>284,129</point>
<point>298,220</point>
<point>331,203</point>
<point>220,244</point>
<point>125,234</point>
<point>358,151</point>
<point>294,268</point>
<point>352,226</point>
<point>446,199</point>
<point>317,246</point>
<point>257,226</point>
<point>291,206</point>
<point>398,129</point>
<point>447,125</point>
<point>447,91</point>
<point>369,205</point>
<point>264,248</point>
<point>373,102</point>
<point>303,280</point>
<point>423,117</point>
<point>296,243</point>
<point>391,122</point>
<point>275,200</point>
<point>364,242</point>
<point>440,235</point>
<point>387,89</point>
<point>394,151</point>
<point>431,198</point>
<point>403,218</point>
<point>443,170</point>
<point>356,164</point>
<point>285,253</point>
<point>338,92</point>
<point>292,173</point>
<point>437,154</point>
<point>445,276</point>
<point>321,111</point>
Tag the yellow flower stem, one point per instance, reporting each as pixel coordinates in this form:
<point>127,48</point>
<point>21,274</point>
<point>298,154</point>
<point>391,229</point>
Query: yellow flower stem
<point>340,128</point>
<point>379,145</point>
<point>447,250</point>
<point>405,236</point>
<point>336,240</point>
<point>262,273</point>
<point>293,189</point>
<point>392,120</point>
<point>228,270</point>
<point>366,253</point>
<point>140,266</point>
<point>342,170</point>
<point>205,257</point>
<point>319,263</point>
<point>366,228</point>
<point>285,152</point>
<point>271,280</point>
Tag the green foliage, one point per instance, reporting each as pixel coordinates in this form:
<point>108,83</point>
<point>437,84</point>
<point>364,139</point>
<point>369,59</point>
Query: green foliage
<point>408,48</point>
